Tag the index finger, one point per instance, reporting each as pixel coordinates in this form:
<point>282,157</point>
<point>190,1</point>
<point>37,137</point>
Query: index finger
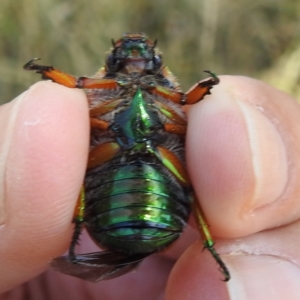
<point>43,154</point>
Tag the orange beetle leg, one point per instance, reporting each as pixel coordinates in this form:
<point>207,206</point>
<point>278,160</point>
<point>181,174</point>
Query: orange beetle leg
<point>100,124</point>
<point>49,72</point>
<point>102,154</point>
<point>201,89</point>
<point>170,113</point>
<point>174,128</point>
<point>96,83</point>
<point>174,96</point>
<point>172,163</point>
<point>61,78</point>
<point>104,108</point>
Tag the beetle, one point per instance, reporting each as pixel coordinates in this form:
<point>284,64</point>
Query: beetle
<point>143,202</point>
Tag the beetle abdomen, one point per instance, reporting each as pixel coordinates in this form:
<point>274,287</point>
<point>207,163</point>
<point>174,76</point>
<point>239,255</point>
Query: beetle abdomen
<point>136,208</point>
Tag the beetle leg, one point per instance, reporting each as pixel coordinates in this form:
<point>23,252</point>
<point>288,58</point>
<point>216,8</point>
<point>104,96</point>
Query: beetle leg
<point>100,124</point>
<point>174,96</point>
<point>193,95</point>
<point>78,220</point>
<point>170,113</point>
<point>179,123</point>
<point>174,128</point>
<point>48,72</point>
<point>201,89</point>
<point>104,108</point>
<point>208,241</point>
<point>172,163</point>
<point>102,153</point>
<point>96,83</point>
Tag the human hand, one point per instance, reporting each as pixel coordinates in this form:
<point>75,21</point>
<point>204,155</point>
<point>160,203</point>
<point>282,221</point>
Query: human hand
<point>243,155</point>
<point>240,185</point>
<point>45,137</point>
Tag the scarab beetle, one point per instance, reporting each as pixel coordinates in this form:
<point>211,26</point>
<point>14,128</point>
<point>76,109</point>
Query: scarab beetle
<point>136,197</point>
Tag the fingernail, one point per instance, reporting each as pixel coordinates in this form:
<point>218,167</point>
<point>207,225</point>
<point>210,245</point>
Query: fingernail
<point>268,153</point>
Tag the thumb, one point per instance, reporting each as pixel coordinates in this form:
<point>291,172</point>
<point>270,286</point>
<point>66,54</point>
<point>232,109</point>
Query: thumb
<point>243,156</point>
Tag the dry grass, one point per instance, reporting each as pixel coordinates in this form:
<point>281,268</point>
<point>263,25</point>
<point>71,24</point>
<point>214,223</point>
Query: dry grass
<point>255,38</point>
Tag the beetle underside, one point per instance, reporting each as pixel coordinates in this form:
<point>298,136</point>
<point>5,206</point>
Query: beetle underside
<point>136,197</point>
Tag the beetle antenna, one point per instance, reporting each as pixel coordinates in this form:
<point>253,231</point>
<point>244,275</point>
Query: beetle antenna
<point>113,43</point>
<point>155,43</point>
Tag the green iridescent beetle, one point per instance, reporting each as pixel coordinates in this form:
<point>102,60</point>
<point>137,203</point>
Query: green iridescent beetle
<point>136,197</point>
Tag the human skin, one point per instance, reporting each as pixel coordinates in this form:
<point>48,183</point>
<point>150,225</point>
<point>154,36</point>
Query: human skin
<point>243,158</point>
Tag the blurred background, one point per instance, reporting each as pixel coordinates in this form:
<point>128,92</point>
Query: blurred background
<point>258,38</point>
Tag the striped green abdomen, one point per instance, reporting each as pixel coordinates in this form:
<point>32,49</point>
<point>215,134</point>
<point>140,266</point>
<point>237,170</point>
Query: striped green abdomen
<point>136,208</point>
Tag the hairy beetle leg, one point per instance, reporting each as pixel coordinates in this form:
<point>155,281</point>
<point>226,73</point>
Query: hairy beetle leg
<point>179,123</point>
<point>99,124</point>
<point>176,129</point>
<point>201,89</point>
<point>96,83</point>
<point>102,154</point>
<point>174,96</point>
<point>48,72</point>
<point>193,95</point>
<point>208,241</point>
<point>172,163</point>
<point>105,107</point>
<point>170,113</point>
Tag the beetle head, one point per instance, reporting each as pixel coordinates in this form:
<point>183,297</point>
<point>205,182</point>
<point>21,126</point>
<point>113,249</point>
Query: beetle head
<point>134,52</point>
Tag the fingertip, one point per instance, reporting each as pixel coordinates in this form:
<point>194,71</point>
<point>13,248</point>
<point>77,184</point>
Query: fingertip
<point>47,145</point>
<point>196,276</point>
<point>238,156</point>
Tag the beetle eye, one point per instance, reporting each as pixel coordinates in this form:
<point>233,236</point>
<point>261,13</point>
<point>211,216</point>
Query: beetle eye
<point>157,61</point>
